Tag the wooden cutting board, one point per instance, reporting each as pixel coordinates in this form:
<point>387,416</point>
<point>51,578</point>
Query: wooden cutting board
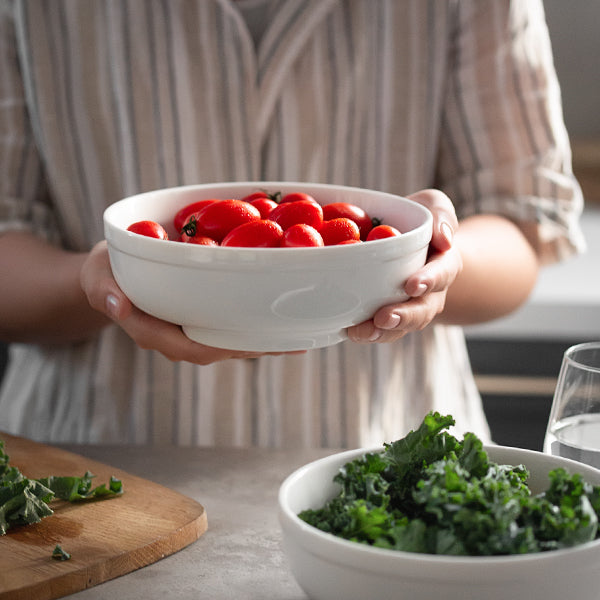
<point>106,538</point>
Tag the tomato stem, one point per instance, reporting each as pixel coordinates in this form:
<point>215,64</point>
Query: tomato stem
<point>189,228</point>
<point>275,196</point>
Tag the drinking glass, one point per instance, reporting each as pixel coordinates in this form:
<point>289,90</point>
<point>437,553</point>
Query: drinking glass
<point>574,424</point>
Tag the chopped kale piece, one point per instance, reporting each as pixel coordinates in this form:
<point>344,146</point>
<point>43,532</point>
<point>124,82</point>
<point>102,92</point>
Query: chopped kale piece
<point>24,501</point>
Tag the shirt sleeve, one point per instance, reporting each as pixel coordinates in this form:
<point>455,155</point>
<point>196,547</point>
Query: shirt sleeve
<point>24,199</point>
<point>504,148</point>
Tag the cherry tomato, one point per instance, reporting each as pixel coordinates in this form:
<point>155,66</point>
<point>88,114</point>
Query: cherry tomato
<point>255,234</point>
<point>262,194</point>
<point>199,240</point>
<point>188,229</point>
<point>217,219</point>
<point>350,211</point>
<point>149,229</point>
<point>348,242</point>
<point>264,205</point>
<point>339,230</point>
<point>301,211</point>
<point>381,232</point>
<point>301,235</point>
<point>181,216</point>
<point>297,197</point>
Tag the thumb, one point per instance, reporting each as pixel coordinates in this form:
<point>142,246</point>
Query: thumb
<point>445,222</point>
<point>100,287</point>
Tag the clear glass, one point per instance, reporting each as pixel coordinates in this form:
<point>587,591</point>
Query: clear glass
<point>574,425</point>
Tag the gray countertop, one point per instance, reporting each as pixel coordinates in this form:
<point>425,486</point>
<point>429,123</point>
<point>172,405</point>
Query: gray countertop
<point>240,555</point>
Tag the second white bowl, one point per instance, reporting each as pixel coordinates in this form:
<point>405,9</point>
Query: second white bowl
<point>331,568</point>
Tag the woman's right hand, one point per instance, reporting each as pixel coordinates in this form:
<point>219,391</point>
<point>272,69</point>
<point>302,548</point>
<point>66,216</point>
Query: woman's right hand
<point>146,331</point>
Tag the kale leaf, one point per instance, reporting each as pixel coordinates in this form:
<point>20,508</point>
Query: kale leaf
<point>73,489</point>
<point>24,501</point>
<point>431,493</point>
<point>407,457</point>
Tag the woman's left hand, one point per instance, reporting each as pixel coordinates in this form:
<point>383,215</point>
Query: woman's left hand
<point>427,288</point>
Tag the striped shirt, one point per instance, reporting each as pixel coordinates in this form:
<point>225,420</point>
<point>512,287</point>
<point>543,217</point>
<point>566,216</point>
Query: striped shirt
<point>101,100</point>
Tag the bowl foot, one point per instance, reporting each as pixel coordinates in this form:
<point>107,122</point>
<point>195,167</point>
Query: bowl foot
<point>253,342</point>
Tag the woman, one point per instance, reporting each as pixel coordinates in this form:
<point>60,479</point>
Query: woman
<point>99,101</point>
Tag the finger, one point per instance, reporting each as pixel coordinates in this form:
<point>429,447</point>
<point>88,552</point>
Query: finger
<point>391,323</point>
<point>100,287</point>
<point>169,339</point>
<point>445,222</point>
<point>413,315</point>
<point>436,275</point>
<point>364,333</point>
<point>151,333</point>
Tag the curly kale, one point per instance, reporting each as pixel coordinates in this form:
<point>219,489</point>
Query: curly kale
<point>431,493</point>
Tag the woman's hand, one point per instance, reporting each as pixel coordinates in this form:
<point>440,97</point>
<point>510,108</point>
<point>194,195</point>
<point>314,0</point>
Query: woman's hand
<point>147,332</point>
<point>428,287</point>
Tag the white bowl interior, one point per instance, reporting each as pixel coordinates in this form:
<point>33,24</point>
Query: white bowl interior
<point>161,205</point>
<point>331,568</point>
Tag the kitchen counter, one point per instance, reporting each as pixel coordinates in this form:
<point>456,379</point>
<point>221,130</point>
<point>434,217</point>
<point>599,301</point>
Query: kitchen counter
<point>240,555</point>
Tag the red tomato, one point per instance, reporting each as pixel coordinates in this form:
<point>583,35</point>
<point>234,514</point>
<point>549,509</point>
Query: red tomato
<point>181,216</point>
<point>350,211</point>
<point>339,230</point>
<point>188,229</point>
<point>262,194</point>
<point>199,240</point>
<point>255,234</point>
<point>301,235</point>
<point>217,219</point>
<point>297,197</point>
<point>149,229</point>
<point>348,242</point>
<point>264,205</point>
<point>301,211</point>
<point>382,231</point>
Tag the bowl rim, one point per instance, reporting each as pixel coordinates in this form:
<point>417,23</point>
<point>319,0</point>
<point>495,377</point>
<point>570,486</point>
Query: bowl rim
<point>120,238</point>
<point>332,547</point>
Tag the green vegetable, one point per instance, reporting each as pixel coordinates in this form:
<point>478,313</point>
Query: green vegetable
<point>73,489</point>
<point>25,501</point>
<point>431,493</point>
<point>59,554</point>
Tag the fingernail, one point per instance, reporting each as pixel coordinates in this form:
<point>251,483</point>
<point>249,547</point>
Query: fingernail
<point>421,289</point>
<point>392,322</point>
<point>375,335</point>
<point>447,232</point>
<point>112,306</point>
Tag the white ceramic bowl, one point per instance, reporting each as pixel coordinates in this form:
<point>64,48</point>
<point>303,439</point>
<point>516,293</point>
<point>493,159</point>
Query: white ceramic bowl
<point>264,299</point>
<point>331,568</point>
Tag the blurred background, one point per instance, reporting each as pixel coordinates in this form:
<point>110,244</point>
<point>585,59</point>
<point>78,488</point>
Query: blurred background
<point>517,359</point>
